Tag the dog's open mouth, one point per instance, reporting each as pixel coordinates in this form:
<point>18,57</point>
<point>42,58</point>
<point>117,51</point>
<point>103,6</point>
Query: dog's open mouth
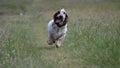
<point>59,21</point>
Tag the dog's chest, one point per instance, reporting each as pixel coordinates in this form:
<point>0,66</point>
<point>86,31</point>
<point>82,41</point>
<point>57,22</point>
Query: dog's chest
<point>57,31</point>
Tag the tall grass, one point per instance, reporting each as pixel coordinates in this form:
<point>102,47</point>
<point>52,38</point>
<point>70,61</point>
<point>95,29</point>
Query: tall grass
<point>92,39</point>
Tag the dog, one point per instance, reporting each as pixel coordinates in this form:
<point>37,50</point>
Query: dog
<point>57,28</point>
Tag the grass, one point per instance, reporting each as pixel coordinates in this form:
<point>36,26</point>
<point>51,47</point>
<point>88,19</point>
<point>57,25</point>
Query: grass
<point>14,6</point>
<point>92,40</point>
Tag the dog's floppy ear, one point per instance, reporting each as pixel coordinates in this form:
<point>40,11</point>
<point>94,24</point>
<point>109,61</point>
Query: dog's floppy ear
<point>66,18</point>
<point>54,16</point>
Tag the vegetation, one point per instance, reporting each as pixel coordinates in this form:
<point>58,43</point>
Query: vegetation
<point>92,41</point>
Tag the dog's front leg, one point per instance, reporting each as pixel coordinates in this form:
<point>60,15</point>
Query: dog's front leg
<point>50,39</point>
<point>59,40</point>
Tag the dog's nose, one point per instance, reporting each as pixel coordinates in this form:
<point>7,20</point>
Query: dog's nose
<point>60,16</point>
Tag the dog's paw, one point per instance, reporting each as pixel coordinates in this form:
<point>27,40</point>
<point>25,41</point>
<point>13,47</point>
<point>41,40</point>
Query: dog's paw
<point>57,46</point>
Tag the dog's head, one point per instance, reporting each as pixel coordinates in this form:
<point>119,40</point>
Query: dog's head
<point>60,18</point>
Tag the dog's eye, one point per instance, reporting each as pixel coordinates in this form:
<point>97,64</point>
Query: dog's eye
<point>63,12</point>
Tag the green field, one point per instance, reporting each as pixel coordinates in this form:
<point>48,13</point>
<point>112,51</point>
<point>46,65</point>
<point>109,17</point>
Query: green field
<point>92,41</point>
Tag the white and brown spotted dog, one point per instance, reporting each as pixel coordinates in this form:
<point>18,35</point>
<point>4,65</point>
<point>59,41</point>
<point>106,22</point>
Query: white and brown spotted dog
<point>57,28</point>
